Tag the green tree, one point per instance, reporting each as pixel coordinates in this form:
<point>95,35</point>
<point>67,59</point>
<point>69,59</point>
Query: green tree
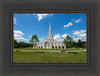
<point>15,44</point>
<point>21,44</point>
<point>33,40</point>
<point>75,44</point>
<point>68,41</point>
<point>84,44</point>
<point>79,43</point>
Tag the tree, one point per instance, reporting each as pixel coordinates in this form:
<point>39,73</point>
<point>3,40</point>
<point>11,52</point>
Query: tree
<point>68,41</point>
<point>75,44</point>
<point>79,43</point>
<point>33,40</point>
<point>15,44</point>
<point>84,44</point>
<point>21,44</point>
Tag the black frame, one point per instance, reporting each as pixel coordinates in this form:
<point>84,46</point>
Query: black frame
<point>6,69</point>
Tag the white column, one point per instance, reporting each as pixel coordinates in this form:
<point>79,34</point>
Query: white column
<point>61,47</point>
<point>57,47</point>
<point>64,47</point>
<point>54,47</point>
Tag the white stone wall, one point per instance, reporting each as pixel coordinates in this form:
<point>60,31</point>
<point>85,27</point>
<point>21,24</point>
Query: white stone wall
<point>52,45</point>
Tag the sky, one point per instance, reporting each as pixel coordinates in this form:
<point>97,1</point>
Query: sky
<point>28,24</point>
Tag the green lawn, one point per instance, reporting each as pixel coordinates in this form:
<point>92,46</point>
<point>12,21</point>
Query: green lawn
<point>49,50</point>
<point>26,56</point>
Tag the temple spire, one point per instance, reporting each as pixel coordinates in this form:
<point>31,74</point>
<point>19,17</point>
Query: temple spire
<point>49,28</point>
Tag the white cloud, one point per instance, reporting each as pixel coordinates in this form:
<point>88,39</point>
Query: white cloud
<point>73,21</point>
<point>21,39</point>
<point>41,39</point>
<point>18,32</point>
<point>18,36</point>
<point>80,34</point>
<point>41,16</point>
<point>76,33</point>
<point>56,37</point>
<point>78,20</point>
<point>59,37</point>
<point>69,24</point>
<point>64,35</point>
<point>15,21</point>
<point>76,39</point>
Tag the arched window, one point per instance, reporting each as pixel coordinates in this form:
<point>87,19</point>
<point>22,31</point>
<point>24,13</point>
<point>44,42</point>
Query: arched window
<point>59,47</point>
<point>53,47</point>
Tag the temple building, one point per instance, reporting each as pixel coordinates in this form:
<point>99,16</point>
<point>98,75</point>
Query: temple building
<point>49,43</point>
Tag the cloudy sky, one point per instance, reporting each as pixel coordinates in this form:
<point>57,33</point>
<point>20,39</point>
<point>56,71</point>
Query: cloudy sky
<point>26,25</point>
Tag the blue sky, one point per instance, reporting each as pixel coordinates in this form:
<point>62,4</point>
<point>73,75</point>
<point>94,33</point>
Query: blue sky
<point>26,25</point>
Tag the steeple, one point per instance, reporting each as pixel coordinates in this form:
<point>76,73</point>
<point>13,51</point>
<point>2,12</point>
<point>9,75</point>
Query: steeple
<point>49,36</point>
<point>49,28</point>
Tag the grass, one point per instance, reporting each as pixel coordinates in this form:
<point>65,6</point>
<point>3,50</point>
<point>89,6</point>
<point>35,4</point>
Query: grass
<point>50,50</point>
<point>24,56</point>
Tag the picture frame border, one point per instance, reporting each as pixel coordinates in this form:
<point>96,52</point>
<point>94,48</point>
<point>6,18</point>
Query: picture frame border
<point>92,69</point>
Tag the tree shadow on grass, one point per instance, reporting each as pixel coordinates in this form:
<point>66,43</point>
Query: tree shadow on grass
<point>38,52</point>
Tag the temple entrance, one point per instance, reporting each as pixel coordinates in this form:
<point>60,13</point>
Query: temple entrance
<point>46,45</point>
<point>62,47</point>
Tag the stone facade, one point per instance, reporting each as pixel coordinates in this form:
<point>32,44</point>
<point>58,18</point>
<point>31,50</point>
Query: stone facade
<point>49,43</point>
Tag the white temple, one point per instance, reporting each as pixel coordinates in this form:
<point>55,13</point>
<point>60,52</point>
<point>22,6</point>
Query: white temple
<point>49,43</point>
